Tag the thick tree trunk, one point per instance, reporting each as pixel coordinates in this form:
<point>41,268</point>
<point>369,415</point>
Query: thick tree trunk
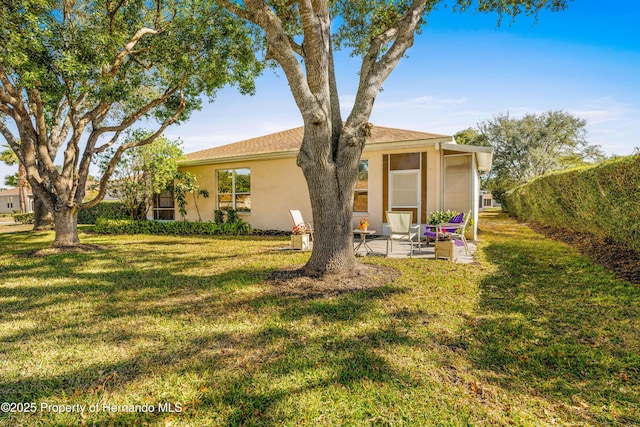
<point>331,185</point>
<point>332,223</point>
<point>42,219</point>
<point>66,226</point>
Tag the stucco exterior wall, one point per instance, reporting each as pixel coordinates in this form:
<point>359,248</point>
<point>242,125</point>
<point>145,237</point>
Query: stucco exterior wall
<point>4,204</point>
<point>276,187</point>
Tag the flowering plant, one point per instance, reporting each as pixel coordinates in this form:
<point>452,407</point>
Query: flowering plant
<point>363,224</point>
<point>300,229</point>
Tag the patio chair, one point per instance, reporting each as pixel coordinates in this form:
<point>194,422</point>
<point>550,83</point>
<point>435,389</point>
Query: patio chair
<point>296,215</point>
<point>432,229</point>
<point>399,223</point>
<point>457,234</point>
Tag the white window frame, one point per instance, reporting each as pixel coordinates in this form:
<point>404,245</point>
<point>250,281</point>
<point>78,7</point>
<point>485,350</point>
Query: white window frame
<point>233,188</point>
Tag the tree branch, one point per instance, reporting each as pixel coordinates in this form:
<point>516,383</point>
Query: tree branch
<point>118,154</point>
<point>375,71</point>
<point>237,10</point>
<point>128,47</point>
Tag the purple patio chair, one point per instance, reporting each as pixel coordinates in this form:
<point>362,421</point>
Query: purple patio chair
<point>432,231</point>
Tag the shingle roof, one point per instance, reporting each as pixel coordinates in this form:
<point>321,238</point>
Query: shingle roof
<point>290,140</point>
<point>13,192</point>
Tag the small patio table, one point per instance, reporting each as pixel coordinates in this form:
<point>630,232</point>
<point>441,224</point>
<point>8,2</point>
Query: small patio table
<point>363,240</point>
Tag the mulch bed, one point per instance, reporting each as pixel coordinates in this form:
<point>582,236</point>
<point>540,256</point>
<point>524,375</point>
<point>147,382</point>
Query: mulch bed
<point>293,283</point>
<point>615,256</point>
<point>80,248</point>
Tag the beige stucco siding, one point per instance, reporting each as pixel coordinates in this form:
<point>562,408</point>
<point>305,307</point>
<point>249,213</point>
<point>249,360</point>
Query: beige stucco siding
<point>276,187</point>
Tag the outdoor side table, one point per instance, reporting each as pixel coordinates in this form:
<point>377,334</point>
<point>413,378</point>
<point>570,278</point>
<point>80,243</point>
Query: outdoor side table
<point>363,240</point>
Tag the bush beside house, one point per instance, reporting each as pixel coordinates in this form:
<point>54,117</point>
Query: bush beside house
<point>106,209</point>
<point>181,228</point>
<point>602,200</point>
<point>23,218</point>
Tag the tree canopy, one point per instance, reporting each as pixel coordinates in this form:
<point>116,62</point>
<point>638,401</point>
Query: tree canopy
<point>74,75</point>
<point>531,146</point>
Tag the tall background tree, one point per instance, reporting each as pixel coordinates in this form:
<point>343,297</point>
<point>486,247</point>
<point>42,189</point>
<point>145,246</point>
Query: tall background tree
<point>75,74</point>
<point>531,146</point>
<point>301,37</point>
<point>143,172</point>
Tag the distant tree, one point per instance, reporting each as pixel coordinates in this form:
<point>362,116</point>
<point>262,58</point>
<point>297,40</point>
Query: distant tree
<point>143,172</point>
<point>531,146</point>
<point>11,180</point>
<point>76,74</point>
<point>471,136</point>
<point>301,37</point>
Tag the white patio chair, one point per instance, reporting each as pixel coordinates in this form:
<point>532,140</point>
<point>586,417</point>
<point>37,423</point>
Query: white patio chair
<point>296,215</point>
<point>457,234</point>
<point>399,223</point>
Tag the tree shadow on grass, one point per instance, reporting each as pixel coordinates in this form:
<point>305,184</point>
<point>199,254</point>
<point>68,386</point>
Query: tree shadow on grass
<point>100,326</point>
<point>553,324</point>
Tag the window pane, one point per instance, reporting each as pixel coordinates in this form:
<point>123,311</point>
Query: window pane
<point>243,181</point>
<point>361,195</point>
<point>164,214</point>
<point>234,189</point>
<point>225,181</point>
<point>405,189</point>
<point>164,200</point>
<point>363,175</point>
<point>225,202</point>
<point>243,202</point>
<point>405,161</point>
<point>361,201</point>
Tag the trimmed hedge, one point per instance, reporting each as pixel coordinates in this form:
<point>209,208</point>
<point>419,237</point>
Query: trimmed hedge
<point>181,228</point>
<point>107,209</point>
<point>603,200</point>
<point>23,218</point>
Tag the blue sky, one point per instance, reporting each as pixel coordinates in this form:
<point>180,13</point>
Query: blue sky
<point>463,70</point>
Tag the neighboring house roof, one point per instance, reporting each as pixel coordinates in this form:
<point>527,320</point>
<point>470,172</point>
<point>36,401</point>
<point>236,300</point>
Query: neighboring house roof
<point>287,143</point>
<point>14,192</point>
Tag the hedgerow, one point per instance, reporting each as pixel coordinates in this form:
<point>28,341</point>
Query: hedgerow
<point>603,200</point>
<point>23,218</point>
<point>181,228</point>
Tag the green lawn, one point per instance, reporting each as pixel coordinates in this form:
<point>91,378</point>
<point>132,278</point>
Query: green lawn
<point>534,334</point>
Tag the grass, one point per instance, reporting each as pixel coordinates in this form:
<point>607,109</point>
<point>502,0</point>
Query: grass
<point>534,334</point>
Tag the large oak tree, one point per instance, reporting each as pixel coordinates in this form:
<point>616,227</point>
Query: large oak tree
<point>301,36</point>
<point>75,74</point>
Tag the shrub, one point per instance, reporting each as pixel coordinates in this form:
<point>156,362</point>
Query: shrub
<point>218,216</point>
<point>107,209</point>
<point>602,200</point>
<point>439,217</point>
<point>23,218</point>
<point>181,228</point>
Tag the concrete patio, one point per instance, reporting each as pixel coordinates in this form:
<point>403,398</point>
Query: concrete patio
<point>401,249</point>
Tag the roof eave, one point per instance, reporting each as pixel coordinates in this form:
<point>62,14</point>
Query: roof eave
<point>240,158</point>
<point>374,146</point>
<point>377,146</point>
<point>484,155</point>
